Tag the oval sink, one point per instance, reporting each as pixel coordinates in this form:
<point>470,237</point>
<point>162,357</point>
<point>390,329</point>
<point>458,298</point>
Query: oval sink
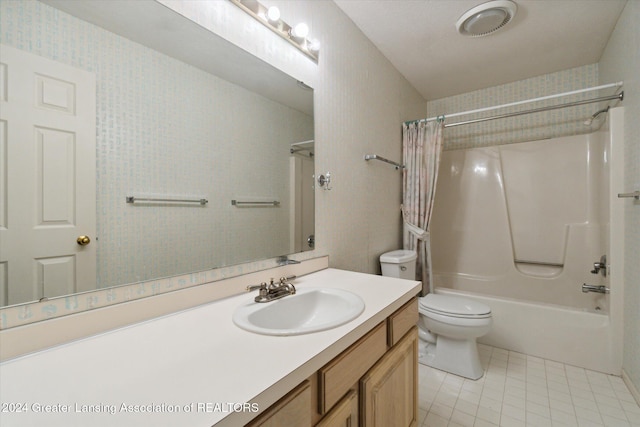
<point>309,310</point>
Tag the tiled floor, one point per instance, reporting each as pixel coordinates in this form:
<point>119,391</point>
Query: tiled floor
<point>521,390</point>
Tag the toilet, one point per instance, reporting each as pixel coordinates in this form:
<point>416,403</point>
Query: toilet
<point>448,325</point>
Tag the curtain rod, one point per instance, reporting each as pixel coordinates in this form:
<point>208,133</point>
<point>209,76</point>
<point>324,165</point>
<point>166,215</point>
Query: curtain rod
<point>619,96</point>
<point>512,104</point>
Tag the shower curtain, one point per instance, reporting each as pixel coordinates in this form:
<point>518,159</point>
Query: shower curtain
<point>421,149</point>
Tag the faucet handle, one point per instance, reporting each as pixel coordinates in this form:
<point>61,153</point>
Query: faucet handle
<point>261,286</point>
<point>600,267</point>
<point>285,282</point>
<point>286,279</point>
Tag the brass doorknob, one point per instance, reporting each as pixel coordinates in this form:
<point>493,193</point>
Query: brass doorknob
<point>83,240</point>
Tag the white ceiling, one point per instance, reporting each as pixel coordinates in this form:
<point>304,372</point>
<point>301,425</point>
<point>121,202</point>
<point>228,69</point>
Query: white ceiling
<point>419,37</point>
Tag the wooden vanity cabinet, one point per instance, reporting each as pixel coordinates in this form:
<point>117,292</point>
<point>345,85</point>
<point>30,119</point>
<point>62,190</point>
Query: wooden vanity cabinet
<point>379,371</point>
<point>389,391</point>
<point>342,373</point>
<point>372,383</point>
<point>291,410</point>
<point>344,414</point>
<point>401,321</point>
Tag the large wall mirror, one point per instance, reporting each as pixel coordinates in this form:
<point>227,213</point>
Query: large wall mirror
<point>224,141</point>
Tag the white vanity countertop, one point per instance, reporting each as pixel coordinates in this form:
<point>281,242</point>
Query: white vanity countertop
<point>190,368</point>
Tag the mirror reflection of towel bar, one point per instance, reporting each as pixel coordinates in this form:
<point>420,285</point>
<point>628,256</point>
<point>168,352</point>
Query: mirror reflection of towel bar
<point>133,199</point>
<point>550,264</point>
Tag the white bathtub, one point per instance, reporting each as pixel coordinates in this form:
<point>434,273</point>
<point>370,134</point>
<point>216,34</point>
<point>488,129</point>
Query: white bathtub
<point>553,332</point>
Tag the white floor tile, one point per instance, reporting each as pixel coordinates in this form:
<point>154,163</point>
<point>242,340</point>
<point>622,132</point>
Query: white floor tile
<point>524,391</point>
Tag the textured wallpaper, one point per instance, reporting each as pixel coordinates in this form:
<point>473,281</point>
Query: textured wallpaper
<point>530,127</point>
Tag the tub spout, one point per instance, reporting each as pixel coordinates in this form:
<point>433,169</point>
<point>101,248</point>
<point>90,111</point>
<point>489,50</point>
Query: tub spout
<point>593,288</point>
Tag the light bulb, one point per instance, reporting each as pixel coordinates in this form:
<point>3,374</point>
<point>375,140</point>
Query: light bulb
<point>301,30</point>
<point>314,45</point>
<point>273,14</point>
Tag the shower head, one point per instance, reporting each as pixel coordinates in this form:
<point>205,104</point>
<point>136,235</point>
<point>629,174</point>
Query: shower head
<point>593,117</point>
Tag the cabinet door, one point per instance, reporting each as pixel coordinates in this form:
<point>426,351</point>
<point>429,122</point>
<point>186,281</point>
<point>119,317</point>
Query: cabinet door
<point>339,375</point>
<point>389,391</point>
<point>292,410</point>
<point>344,414</point>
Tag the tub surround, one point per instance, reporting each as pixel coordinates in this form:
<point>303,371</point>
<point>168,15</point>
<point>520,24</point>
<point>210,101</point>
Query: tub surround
<point>532,282</point>
<point>190,357</point>
<point>514,231</point>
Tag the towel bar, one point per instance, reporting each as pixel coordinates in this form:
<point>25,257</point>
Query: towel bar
<point>133,199</point>
<point>261,203</point>
<point>634,194</point>
<point>550,264</point>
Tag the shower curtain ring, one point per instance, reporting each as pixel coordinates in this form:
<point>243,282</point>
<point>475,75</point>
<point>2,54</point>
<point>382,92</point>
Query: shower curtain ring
<point>440,119</point>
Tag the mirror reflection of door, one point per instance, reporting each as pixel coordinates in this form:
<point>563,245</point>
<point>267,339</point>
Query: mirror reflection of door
<point>302,196</point>
<point>48,165</point>
<point>308,205</point>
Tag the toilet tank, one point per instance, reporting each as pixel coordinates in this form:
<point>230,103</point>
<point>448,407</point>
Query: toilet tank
<point>400,263</point>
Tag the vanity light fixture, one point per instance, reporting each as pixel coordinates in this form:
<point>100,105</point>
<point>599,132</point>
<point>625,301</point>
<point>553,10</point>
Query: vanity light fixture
<point>273,14</point>
<point>270,18</point>
<point>314,45</point>
<point>300,31</point>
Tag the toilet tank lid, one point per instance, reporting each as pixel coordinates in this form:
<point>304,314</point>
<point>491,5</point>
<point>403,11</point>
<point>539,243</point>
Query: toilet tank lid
<point>399,256</point>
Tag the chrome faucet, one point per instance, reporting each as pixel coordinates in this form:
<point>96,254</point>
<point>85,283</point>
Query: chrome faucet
<point>273,291</point>
<point>600,267</point>
<point>594,288</point>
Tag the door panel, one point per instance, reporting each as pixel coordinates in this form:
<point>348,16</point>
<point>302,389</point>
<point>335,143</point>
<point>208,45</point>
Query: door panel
<point>47,184</point>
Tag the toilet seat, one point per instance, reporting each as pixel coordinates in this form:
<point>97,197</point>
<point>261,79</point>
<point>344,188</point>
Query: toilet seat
<point>454,306</point>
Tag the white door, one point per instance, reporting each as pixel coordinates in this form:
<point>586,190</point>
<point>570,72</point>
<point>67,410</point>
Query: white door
<point>47,178</point>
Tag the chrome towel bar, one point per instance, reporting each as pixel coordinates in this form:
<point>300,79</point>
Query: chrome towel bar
<point>382,159</point>
<point>249,203</point>
<point>634,194</point>
<point>550,264</point>
<point>133,199</point>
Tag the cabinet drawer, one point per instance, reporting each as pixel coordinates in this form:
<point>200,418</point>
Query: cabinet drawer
<point>339,375</point>
<point>400,322</point>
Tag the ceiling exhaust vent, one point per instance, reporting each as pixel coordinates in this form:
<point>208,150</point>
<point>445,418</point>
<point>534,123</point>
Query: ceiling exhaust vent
<point>486,18</point>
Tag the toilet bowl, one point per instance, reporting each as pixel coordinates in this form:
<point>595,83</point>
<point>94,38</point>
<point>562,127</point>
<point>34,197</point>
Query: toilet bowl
<point>448,325</point>
<point>448,328</point>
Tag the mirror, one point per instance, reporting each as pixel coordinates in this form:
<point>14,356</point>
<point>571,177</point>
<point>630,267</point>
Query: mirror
<point>181,115</point>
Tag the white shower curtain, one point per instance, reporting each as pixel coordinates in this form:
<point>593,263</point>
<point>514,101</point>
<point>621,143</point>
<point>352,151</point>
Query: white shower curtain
<point>421,149</point>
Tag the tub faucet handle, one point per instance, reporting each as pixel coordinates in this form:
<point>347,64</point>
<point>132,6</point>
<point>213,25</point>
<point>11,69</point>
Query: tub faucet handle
<point>600,267</point>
